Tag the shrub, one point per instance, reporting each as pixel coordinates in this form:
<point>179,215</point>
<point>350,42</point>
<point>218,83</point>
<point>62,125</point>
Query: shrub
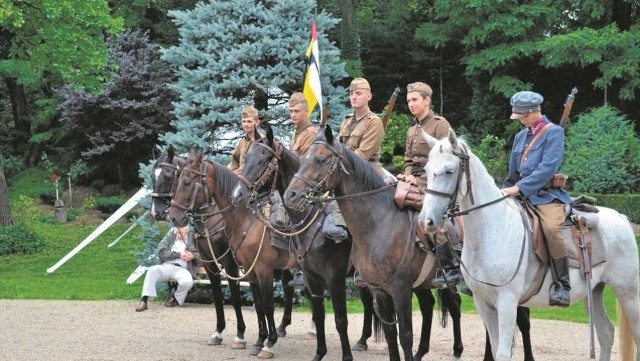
<point>493,154</point>
<point>628,204</point>
<point>24,208</point>
<point>602,153</point>
<point>18,239</point>
<point>109,205</point>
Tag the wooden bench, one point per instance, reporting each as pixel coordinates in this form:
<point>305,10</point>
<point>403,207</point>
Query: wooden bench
<point>203,279</point>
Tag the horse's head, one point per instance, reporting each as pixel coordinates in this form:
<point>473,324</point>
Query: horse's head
<point>260,169</point>
<point>319,172</point>
<point>191,191</point>
<point>166,171</point>
<point>447,161</point>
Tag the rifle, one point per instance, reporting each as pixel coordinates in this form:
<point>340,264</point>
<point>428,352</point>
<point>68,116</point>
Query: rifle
<point>567,107</point>
<point>325,113</point>
<point>392,103</point>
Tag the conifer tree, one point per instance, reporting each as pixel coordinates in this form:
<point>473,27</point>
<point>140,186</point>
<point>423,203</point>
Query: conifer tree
<point>240,53</point>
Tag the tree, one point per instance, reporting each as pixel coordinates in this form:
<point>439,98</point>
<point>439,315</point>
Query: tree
<point>116,129</point>
<point>602,153</point>
<point>6,219</point>
<point>244,52</point>
<point>44,43</point>
<point>548,46</point>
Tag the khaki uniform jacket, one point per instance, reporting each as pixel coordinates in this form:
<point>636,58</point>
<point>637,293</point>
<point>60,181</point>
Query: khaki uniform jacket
<point>417,150</point>
<point>303,139</point>
<point>364,136</point>
<point>239,154</point>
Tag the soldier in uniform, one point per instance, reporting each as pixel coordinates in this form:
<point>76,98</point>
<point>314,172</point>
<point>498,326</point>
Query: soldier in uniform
<point>362,132</point>
<point>304,133</point>
<point>416,156</point>
<point>250,122</point>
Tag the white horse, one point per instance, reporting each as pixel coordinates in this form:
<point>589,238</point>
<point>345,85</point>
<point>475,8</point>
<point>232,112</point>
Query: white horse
<point>499,260</point>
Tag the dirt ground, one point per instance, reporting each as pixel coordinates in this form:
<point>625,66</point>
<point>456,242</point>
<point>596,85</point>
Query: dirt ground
<point>111,330</point>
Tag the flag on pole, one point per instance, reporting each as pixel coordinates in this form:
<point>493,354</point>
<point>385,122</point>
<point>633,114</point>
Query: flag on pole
<point>312,90</point>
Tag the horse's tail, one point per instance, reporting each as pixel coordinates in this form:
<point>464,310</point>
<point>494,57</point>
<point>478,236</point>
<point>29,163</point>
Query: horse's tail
<point>627,346</point>
<point>444,309</point>
<point>378,333</point>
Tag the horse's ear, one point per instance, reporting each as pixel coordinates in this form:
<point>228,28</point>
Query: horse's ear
<point>269,135</point>
<point>328,134</point>
<point>171,152</point>
<point>153,152</point>
<point>453,139</point>
<point>431,141</point>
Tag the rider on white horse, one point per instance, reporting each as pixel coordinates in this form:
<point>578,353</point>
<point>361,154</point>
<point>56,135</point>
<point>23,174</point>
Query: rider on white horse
<point>536,157</point>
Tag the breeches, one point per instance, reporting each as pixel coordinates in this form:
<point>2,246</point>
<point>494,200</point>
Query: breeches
<point>551,218</point>
<point>165,272</point>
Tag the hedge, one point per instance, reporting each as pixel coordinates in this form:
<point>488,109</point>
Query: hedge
<point>628,204</point>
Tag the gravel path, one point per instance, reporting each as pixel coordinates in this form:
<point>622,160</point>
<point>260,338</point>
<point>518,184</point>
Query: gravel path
<point>111,330</point>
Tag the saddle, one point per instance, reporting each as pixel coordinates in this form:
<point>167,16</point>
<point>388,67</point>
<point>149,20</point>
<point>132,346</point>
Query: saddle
<point>578,224</point>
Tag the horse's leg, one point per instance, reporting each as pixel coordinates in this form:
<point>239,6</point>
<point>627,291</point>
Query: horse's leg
<point>506,312</point>
<point>488,354</point>
<point>337,290</point>
<point>367,304</point>
<point>218,301</point>
<point>262,324</point>
<point>316,290</point>
<point>490,319</point>
<point>384,306</point>
<point>265,279</point>
<point>426,302</point>
<point>602,323</point>
<point>402,305</point>
<point>452,302</point>
<point>231,268</point>
<point>288,303</point>
<point>629,305</point>
<point>522,319</point>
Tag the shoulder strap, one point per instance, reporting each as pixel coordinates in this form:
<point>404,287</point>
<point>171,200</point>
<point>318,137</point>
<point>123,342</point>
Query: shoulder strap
<point>532,142</point>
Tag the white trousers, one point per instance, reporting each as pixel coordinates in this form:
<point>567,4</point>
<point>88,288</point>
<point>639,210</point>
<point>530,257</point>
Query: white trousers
<point>165,272</point>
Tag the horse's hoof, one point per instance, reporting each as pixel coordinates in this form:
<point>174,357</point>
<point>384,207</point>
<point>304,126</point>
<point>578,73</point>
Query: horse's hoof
<point>282,332</point>
<point>359,347</point>
<point>310,336</point>
<point>265,353</point>
<point>215,341</point>
<point>239,344</point>
<point>255,350</point>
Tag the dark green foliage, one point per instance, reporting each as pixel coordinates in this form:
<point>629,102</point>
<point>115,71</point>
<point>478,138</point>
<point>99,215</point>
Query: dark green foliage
<point>494,154</point>
<point>109,205</point>
<point>395,136</point>
<point>19,239</point>
<point>628,204</point>
<point>72,214</point>
<point>116,129</point>
<point>602,153</point>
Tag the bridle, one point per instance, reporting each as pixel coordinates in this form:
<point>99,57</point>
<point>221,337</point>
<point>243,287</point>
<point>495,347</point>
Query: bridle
<point>199,186</point>
<point>270,172</point>
<point>175,173</point>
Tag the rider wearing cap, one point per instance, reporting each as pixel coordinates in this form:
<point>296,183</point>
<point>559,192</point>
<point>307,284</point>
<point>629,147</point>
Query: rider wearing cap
<point>530,177</point>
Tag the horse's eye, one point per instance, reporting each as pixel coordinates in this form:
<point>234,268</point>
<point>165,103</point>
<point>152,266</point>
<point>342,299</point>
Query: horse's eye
<point>263,162</point>
<point>448,171</point>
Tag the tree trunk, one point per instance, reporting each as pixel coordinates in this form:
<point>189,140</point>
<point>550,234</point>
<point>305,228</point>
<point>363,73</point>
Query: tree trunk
<point>5,208</point>
<point>350,37</point>
<point>19,106</point>
<point>621,14</point>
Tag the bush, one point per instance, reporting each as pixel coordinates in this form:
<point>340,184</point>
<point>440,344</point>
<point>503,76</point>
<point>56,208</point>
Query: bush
<point>494,154</point>
<point>627,204</point>
<point>109,205</point>
<point>602,153</point>
<point>19,239</point>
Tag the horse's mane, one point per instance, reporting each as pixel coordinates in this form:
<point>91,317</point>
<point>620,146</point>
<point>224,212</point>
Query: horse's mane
<point>226,180</point>
<point>366,175</point>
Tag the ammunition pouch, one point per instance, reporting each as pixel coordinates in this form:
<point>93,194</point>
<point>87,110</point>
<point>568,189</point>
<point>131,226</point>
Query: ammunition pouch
<point>407,195</point>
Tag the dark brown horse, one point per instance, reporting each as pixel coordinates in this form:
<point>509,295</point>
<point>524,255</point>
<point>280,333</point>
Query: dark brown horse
<point>203,182</point>
<point>269,166</point>
<point>165,173</point>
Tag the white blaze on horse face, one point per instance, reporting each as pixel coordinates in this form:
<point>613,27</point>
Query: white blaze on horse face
<point>156,173</point>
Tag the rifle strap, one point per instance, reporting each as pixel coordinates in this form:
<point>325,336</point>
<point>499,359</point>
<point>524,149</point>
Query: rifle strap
<point>532,142</point>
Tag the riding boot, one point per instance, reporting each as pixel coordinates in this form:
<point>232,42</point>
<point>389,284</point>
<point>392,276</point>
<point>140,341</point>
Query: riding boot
<point>560,295</point>
<point>450,266</point>
<point>297,281</point>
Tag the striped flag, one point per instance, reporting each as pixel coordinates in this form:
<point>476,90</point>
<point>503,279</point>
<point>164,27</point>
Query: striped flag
<point>312,90</point>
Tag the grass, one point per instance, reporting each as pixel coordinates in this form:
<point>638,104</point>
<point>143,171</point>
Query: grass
<point>97,273</point>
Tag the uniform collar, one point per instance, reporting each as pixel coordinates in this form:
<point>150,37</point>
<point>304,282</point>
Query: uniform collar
<point>535,128</point>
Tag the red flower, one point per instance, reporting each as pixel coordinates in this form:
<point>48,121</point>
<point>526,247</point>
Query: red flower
<point>54,177</point>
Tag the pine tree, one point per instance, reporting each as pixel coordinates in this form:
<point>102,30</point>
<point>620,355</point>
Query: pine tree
<point>240,53</point>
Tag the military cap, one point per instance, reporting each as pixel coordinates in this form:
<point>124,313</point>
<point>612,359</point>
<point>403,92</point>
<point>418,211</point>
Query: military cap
<point>525,102</point>
<point>249,112</point>
<point>358,84</point>
<point>420,87</point>
<point>297,98</point>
